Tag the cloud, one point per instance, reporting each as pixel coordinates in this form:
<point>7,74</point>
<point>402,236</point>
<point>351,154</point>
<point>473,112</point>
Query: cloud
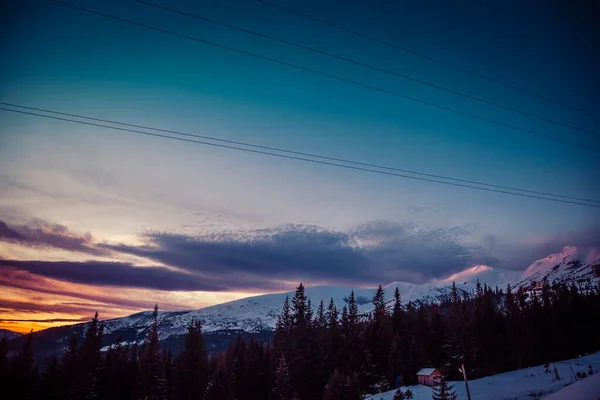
<point>278,258</point>
<point>37,308</point>
<point>51,320</point>
<point>366,255</point>
<point>42,234</point>
<point>22,280</point>
<point>115,274</point>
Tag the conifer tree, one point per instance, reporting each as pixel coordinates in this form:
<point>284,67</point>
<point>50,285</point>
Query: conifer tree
<point>91,360</point>
<point>150,379</point>
<point>342,386</point>
<point>191,365</point>
<point>219,386</point>
<point>320,317</point>
<point>352,310</point>
<point>50,381</point>
<point>299,308</point>
<point>256,372</point>
<point>332,316</point>
<point>236,359</point>
<point>379,310</point>
<point>398,314</point>
<point>443,390</point>
<point>399,394</point>
<point>309,314</point>
<point>24,374</point>
<point>283,385</point>
<point>283,330</point>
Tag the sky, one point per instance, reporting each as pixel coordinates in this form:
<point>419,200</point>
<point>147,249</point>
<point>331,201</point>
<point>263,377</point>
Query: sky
<point>94,219</point>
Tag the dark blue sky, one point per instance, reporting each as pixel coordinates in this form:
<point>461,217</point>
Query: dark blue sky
<point>120,186</point>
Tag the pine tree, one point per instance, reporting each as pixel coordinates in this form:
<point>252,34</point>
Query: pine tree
<point>309,314</point>
<point>443,390</point>
<point>50,381</point>
<point>284,319</point>
<point>150,380</point>
<point>398,314</point>
<point>70,371</point>
<point>332,316</point>
<point>379,304</point>
<point>283,330</point>
<point>335,387</point>
<point>299,308</point>
<point>91,359</point>
<point>399,394</point>
<point>346,325</point>
<point>219,385</point>
<point>283,385</point>
<point>256,372</point>
<point>352,310</point>
<point>320,318</point>
<point>342,387</point>
<point>408,394</point>
<point>24,374</point>
<point>191,365</point>
<point>236,360</point>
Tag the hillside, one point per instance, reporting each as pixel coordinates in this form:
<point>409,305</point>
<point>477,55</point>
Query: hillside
<point>10,335</point>
<point>257,315</point>
<point>523,383</point>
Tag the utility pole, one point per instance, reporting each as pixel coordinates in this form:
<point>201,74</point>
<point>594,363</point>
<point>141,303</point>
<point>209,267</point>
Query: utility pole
<point>464,372</point>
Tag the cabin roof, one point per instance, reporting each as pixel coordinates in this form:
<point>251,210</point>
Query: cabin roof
<point>426,371</point>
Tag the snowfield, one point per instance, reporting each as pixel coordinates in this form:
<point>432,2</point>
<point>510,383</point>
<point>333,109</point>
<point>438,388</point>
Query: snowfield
<point>524,383</point>
<point>585,389</point>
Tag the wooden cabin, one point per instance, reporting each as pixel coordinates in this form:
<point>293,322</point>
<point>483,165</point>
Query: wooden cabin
<point>429,376</point>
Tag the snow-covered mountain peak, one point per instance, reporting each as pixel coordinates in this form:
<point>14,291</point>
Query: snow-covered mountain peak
<point>571,265</point>
<point>468,278</point>
<point>544,265</point>
<point>469,273</point>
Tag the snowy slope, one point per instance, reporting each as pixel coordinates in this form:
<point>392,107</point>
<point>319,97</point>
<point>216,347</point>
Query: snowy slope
<point>520,384</point>
<point>259,313</point>
<point>570,265</point>
<point>585,389</point>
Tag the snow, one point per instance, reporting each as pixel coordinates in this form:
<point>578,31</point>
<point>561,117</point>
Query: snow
<point>585,389</point>
<point>259,313</point>
<point>426,371</point>
<point>572,264</point>
<point>520,384</point>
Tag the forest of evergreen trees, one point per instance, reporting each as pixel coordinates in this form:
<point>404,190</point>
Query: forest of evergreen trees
<point>326,354</point>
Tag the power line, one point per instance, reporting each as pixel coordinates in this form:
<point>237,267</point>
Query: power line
<point>370,66</point>
<point>426,57</point>
<point>296,158</point>
<point>325,74</point>
<point>270,148</point>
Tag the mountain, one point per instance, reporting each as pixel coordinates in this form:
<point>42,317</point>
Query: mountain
<point>571,265</point>
<point>10,335</point>
<point>257,315</point>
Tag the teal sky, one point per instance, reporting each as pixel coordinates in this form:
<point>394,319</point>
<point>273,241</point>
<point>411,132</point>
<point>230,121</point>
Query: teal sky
<point>121,187</point>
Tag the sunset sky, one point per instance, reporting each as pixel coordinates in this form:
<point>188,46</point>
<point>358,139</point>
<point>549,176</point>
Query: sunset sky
<point>93,219</point>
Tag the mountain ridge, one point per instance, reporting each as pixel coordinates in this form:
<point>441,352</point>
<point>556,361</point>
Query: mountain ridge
<point>258,314</point>
<point>10,335</point>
